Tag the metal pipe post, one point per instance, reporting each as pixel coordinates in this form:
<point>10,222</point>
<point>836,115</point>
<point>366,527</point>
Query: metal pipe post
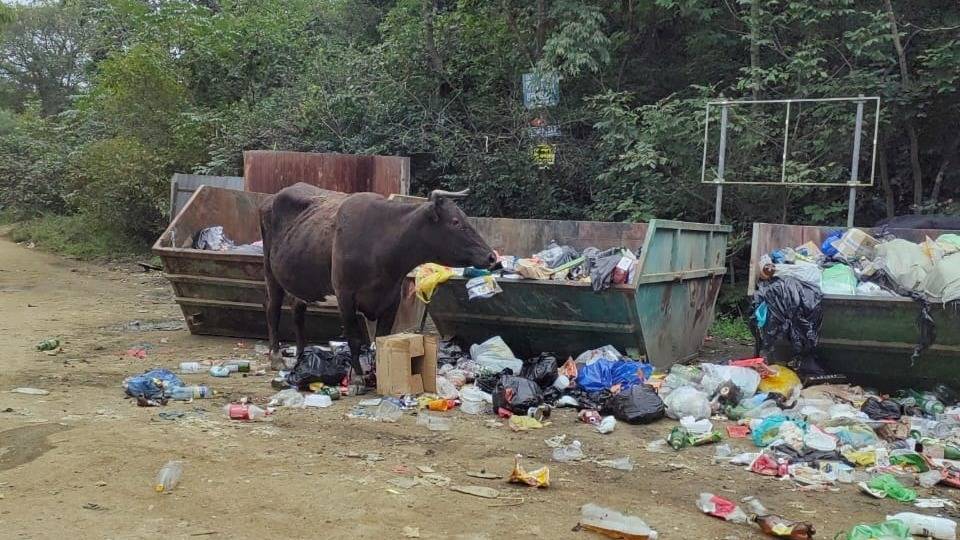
<point>855,163</point>
<point>721,164</point>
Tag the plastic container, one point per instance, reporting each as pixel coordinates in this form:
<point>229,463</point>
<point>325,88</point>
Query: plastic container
<point>287,398</point>
<point>321,401</point>
<point>611,523</point>
<point>168,477</point>
<point>244,411</point>
<point>931,526</point>
<point>186,393</point>
<point>473,400</point>
<point>570,452</point>
<point>191,367</point>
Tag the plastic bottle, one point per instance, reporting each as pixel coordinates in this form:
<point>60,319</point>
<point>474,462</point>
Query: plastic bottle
<point>186,393</point>
<point>388,411</point>
<point>932,526</point>
<point>168,477</point>
<point>780,527</point>
<point>570,452</point>
<point>190,367</point>
<point>927,402</point>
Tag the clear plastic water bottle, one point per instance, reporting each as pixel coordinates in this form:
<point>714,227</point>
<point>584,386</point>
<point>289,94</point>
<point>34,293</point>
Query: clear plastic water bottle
<point>186,393</point>
<point>168,477</point>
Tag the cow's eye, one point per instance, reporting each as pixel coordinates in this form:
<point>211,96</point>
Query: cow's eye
<point>456,222</point>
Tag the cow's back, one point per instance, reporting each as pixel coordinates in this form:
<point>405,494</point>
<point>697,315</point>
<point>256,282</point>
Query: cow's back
<point>297,225</point>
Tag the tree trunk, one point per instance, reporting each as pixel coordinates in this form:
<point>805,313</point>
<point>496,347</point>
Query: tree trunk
<point>430,43</point>
<point>949,153</point>
<point>908,121</point>
<point>885,180</point>
<point>755,47</point>
<point>541,26</point>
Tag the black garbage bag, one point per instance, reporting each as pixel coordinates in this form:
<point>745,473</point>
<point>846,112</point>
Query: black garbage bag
<point>808,455</point>
<point>516,394</point>
<point>881,410</point>
<point>588,400</point>
<point>316,364</point>
<point>542,369</point>
<point>638,405</point>
<point>212,238</point>
<point>788,308</point>
<point>599,265</point>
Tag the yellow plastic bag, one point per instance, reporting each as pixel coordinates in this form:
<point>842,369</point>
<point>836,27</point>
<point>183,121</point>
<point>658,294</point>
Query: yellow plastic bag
<point>429,277</point>
<point>539,478</point>
<point>783,381</point>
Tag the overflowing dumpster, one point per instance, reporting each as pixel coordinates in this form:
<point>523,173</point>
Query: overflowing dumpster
<point>664,311</point>
<point>871,339</point>
<point>222,292</point>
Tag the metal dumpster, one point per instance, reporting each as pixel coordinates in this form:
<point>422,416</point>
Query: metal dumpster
<point>222,292</point>
<point>871,339</point>
<point>664,312</point>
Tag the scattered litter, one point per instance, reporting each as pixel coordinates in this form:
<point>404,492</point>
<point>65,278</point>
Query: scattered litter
<point>483,474</point>
<point>537,478</point>
<point>168,477</point>
<point>523,423</point>
<point>614,524</point>
<point>477,491</point>
<point>411,532</point>
<point>621,464</point>
<point>403,482</point>
<point>30,391</point>
<point>570,452</point>
<point>48,344</point>
<point>425,469</point>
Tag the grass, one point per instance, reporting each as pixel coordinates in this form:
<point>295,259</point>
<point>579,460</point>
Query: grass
<point>77,236</point>
<point>728,327</point>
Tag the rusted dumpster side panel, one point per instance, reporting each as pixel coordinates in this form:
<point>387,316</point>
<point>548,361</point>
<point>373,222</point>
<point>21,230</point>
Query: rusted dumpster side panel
<point>871,339</point>
<point>267,171</point>
<point>223,293</point>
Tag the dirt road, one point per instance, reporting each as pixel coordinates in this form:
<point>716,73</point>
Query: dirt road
<point>80,461</point>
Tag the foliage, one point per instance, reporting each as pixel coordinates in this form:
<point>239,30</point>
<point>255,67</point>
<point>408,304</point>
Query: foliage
<point>116,95</point>
<point>735,328</point>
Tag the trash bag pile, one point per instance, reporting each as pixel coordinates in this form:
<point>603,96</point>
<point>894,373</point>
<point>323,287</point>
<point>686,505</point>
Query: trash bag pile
<point>792,282</point>
<point>599,268</point>
<point>215,239</point>
<point>853,263</point>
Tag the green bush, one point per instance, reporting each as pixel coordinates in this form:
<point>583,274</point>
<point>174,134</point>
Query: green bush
<point>77,236</point>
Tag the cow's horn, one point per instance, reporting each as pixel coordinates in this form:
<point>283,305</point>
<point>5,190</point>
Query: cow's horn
<point>440,193</point>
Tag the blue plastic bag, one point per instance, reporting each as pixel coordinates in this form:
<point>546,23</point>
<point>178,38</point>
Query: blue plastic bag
<point>603,374</point>
<point>769,429</point>
<point>152,384</point>
<point>827,246</point>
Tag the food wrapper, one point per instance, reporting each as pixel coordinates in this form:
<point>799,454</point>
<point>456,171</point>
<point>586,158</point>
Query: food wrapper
<point>539,478</point>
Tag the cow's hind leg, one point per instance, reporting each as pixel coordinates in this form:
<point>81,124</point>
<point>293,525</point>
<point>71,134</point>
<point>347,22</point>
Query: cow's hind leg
<point>299,325</point>
<point>353,333</point>
<point>275,294</point>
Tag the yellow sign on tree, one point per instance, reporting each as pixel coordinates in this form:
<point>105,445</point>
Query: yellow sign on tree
<point>544,155</point>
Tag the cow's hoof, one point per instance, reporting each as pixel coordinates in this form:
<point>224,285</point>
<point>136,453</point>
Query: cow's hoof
<point>277,362</point>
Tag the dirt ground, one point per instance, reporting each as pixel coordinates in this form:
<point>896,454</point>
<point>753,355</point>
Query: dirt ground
<point>81,460</point>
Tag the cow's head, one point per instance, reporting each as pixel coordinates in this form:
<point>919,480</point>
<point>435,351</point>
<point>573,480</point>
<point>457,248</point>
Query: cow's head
<point>451,239</point>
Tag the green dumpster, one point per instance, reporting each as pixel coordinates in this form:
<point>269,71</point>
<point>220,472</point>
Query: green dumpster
<point>664,312</point>
<point>871,339</point>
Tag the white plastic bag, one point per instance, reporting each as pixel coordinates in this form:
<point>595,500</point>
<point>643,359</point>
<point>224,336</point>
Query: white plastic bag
<point>745,379</point>
<point>446,389</point>
<point>687,401</point>
<point>493,355</point>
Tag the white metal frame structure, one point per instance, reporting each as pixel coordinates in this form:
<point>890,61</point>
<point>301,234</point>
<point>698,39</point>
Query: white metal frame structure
<point>852,184</point>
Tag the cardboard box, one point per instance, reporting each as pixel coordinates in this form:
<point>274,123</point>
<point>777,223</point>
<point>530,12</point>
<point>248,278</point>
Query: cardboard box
<point>406,364</point>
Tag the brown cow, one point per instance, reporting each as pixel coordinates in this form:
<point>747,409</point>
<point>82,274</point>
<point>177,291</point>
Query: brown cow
<point>359,247</point>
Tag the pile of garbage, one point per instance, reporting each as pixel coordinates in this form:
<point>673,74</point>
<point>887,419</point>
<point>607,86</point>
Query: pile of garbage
<point>599,268</point>
<point>215,239</point>
<point>853,263</point>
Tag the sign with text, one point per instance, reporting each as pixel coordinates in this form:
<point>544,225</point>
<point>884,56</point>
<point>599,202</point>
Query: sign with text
<point>541,90</point>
